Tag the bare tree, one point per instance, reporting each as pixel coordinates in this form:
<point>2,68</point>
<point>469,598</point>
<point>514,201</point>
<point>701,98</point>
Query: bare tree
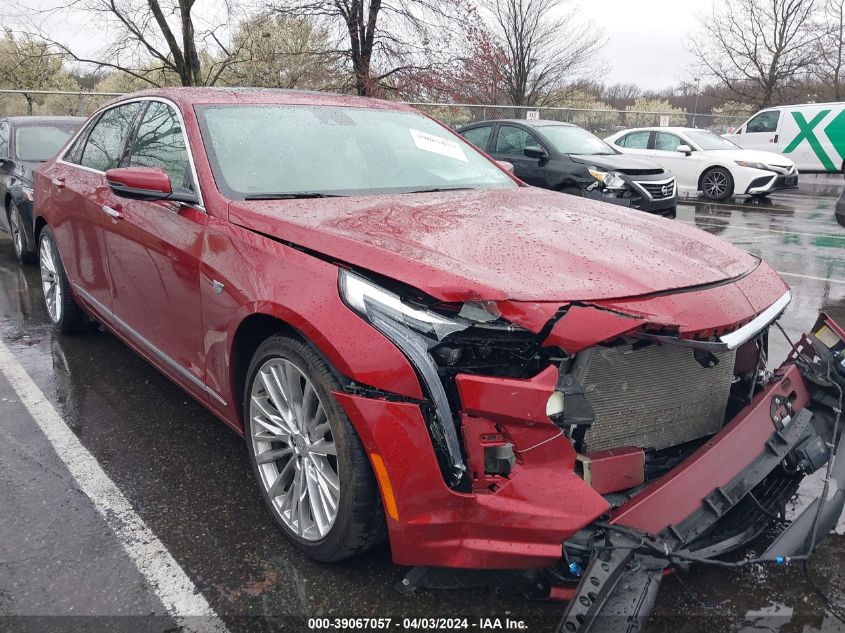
<point>831,52</point>
<point>547,48</point>
<point>145,38</point>
<point>757,48</point>
<point>381,38</point>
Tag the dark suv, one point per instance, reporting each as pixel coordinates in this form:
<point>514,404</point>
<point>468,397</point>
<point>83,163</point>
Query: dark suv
<point>567,158</point>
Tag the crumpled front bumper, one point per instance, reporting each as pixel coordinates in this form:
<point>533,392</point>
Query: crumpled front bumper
<point>792,425</point>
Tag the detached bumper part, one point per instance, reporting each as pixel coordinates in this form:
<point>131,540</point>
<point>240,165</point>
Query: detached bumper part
<point>685,516</point>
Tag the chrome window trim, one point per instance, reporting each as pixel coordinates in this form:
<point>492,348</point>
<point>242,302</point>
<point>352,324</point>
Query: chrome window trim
<point>152,349</point>
<point>61,159</point>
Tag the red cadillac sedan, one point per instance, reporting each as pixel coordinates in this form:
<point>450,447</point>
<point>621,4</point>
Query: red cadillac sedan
<point>418,347</point>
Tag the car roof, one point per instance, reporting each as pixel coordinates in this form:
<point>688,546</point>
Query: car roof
<point>33,120</point>
<point>530,123</point>
<point>185,98</point>
<point>657,128</point>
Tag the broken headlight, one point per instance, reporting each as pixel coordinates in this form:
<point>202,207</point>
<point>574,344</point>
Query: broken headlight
<point>414,331</point>
<point>609,179</point>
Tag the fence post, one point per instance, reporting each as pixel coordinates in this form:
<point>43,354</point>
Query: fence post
<point>80,106</point>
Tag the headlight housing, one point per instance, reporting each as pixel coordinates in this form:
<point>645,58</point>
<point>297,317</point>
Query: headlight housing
<point>414,331</point>
<point>610,179</point>
<point>752,165</point>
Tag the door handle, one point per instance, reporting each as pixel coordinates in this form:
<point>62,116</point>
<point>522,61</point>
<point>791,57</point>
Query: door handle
<point>59,183</point>
<point>113,213</point>
<point>775,139</point>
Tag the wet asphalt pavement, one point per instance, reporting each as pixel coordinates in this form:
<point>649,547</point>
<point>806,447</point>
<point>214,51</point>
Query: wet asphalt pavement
<point>186,476</point>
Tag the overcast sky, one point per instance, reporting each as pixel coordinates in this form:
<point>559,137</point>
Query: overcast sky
<point>645,38</point>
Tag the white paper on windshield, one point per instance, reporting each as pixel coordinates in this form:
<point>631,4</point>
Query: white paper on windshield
<point>437,145</point>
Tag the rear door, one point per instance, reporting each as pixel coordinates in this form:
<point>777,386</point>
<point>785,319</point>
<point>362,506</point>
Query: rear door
<point>154,250</point>
<point>479,136</point>
<point>813,136</point>
<point>83,199</point>
<point>635,143</point>
<point>510,145</point>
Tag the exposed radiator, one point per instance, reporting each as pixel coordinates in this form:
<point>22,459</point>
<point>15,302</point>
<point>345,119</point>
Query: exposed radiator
<point>653,397</point>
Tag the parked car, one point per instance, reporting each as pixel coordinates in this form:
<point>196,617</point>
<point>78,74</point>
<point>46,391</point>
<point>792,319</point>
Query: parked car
<point>416,345</point>
<point>25,143</point>
<point>707,163</point>
<point>567,158</point>
<point>811,134</point>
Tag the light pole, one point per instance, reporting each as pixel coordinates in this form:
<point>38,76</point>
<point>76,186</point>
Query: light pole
<point>695,107</point>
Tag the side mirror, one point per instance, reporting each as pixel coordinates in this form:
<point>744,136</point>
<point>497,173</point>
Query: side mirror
<point>535,152</point>
<point>684,149</point>
<point>145,183</point>
<point>508,167</point>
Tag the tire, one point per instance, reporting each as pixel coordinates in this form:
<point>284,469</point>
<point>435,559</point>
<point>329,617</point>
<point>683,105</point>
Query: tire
<point>717,184</point>
<point>63,311</point>
<point>23,252</point>
<point>278,366</point>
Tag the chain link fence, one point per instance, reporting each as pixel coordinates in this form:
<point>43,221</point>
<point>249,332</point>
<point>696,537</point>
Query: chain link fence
<point>600,122</point>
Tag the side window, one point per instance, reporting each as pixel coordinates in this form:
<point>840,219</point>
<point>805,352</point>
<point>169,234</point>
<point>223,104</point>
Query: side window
<point>479,136</point>
<point>74,152</point>
<point>764,122</point>
<point>104,147</point>
<point>4,139</point>
<point>161,143</point>
<point>513,141</point>
<point>634,140</point>
<point>666,142</point>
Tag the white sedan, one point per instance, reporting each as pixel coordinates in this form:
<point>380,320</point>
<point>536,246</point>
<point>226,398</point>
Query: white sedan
<point>705,162</point>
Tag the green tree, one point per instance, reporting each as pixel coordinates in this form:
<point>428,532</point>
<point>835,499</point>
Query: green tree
<point>280,51</point>
<point>647,112</point>
<point>27,63</point>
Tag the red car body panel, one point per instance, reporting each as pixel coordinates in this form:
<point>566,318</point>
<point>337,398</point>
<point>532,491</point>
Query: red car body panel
<point>680,492</point>
<point>536,249</point>
<point>153,277</point>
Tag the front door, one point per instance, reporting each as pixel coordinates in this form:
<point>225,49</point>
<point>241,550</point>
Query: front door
<point>684,167</point>
<point>761,132</point>
<point>510,145</point>
<point>79,188</point>
<point>154,250</point>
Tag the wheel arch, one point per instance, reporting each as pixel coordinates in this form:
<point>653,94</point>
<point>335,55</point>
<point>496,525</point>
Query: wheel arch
<point>710,168</point>
<point>250,333</point>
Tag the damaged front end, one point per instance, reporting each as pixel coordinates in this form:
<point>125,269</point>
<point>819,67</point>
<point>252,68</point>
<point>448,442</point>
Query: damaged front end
<point>598,444</point>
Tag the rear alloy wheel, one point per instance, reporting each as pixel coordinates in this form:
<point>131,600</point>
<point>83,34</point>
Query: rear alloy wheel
<point>64,313</point>
<point>24,254</point>
<point>717,184</point>
<point>311,467</point>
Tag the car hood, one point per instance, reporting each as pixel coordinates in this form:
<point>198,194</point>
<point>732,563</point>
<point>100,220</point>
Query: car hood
<point>523,244</point>
<point>617,162</point>
<point>754,156</point>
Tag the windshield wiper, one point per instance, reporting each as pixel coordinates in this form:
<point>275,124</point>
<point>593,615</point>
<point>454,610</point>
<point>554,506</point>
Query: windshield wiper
<point>291,195</point>
<point>436,189</point>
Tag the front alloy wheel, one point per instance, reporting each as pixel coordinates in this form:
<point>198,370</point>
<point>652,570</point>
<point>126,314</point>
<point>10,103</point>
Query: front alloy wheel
<point>717,184</point>
<point>311,468</point>
<point>294,449</point>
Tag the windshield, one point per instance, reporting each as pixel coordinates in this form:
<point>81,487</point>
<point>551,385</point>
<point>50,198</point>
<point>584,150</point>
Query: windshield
<point>573,140</point>
<point>37,143</point>
<point>708,141</point>
<point>288,151</point>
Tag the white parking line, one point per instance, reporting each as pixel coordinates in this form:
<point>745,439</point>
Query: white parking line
<point>173,587</point>
<point>758,230</point>
<point>833,281</point>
